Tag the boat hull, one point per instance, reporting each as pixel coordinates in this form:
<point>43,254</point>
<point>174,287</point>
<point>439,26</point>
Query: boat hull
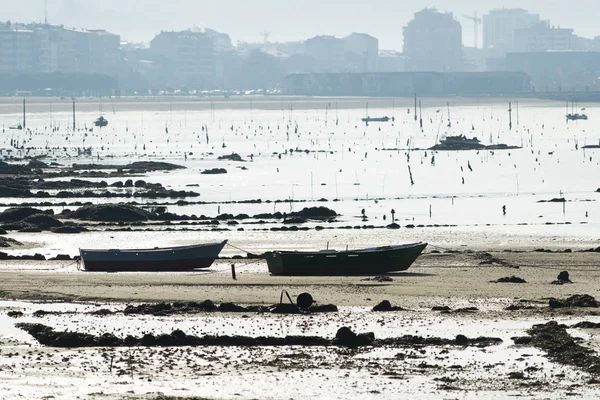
<point>373,261</point>
<point>181,258</point>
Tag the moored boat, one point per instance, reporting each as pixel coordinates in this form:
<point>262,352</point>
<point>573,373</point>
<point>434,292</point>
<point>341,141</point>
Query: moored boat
<point>101,122</point>
<point>369,261</point>
<point>460,142</point>
<point>376,119</point>
<point>179,258</point>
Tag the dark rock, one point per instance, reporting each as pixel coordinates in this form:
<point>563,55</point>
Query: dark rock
<point>587,325</point>
<point>19,213</point>
<point>440,308</point>
<point>315,213</point>
<point>578,300</point>
<point>231,157</point>
<point>214,171</point>
<point>43,221</point>
<point>510,279</point>
<point>15,314</point>
<point>111,212</point>
<point>346,337</point>
<point>562,278</point>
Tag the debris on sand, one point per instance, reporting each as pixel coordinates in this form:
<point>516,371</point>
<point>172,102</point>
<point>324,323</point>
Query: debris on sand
<point>510,279</point>
<point>379,279</point>
<point>561,347</point>
<point>345,337</point>
<point>562,278</point>
<point>194,307</point>
<point>578,300</point>
<point>385,305</point>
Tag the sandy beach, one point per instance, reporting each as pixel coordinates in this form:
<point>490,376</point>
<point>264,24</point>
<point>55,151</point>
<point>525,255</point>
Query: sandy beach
<point>435,277</point>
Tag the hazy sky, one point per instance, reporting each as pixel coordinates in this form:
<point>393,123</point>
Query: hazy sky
<point>286,20</point>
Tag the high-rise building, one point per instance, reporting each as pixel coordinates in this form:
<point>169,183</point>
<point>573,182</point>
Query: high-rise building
<point>17,49</point>
<point>499,28</point>
<point>190,55</point>
<point>48,48</point>
<point>328,52</point>
<point>366,47</point>
<point>433,42</point>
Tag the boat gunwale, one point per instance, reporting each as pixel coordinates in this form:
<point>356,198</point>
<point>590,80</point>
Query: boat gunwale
<point>355,251</point>
<point>157,249</point>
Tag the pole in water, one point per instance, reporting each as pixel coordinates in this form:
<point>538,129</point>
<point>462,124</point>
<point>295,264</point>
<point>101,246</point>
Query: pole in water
<point>233,272</point>
<point>510,116</point>
<point>415,107</point>
<point>430,211</point>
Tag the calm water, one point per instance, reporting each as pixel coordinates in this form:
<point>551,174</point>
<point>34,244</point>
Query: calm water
<point>364,167</point>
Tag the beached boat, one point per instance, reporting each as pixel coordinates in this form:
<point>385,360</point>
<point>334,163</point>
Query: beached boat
<point>370,261</point>
<point>180,258</point>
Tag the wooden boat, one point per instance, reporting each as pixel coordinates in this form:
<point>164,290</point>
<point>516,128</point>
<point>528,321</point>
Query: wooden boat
<point>180,258</point>
<point>370,261</point>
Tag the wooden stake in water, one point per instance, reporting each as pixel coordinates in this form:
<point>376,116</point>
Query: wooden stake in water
<point>415,106</point>
<point>233,272</point>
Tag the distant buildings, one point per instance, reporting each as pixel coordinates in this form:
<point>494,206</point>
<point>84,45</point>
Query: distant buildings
<point>391,61</point>
<point>557,71</point>
<point>500,27</point>
<point>407,83</point>
<point>328,53</point>
<point>362,50</point>
<point>189,56</point>
<point>433,42</point>
<point>543,37</point>
<point>41,48</point>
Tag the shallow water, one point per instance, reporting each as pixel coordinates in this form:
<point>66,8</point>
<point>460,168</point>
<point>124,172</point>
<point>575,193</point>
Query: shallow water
<point>346,162</point>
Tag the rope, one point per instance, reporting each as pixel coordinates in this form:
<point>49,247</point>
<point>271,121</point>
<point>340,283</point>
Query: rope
<point>240,249</point>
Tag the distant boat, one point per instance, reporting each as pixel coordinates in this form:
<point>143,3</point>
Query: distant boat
<point>576,116</point>
<point>573,116</point>
<point>19,127</point>
<point>101,122</point>
<point>368,119</point>
<point>370,261</point>
<point>180,258</point>
<point>377,119</point>
<point>460,142</point>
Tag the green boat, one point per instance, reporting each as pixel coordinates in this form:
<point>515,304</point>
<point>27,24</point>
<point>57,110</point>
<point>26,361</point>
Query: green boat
<point>369,261</point>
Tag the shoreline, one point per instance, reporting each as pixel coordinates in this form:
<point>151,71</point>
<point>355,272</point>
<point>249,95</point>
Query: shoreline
<point>43,105</point>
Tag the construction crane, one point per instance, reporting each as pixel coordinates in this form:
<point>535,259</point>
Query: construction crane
<point>476,21</point>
